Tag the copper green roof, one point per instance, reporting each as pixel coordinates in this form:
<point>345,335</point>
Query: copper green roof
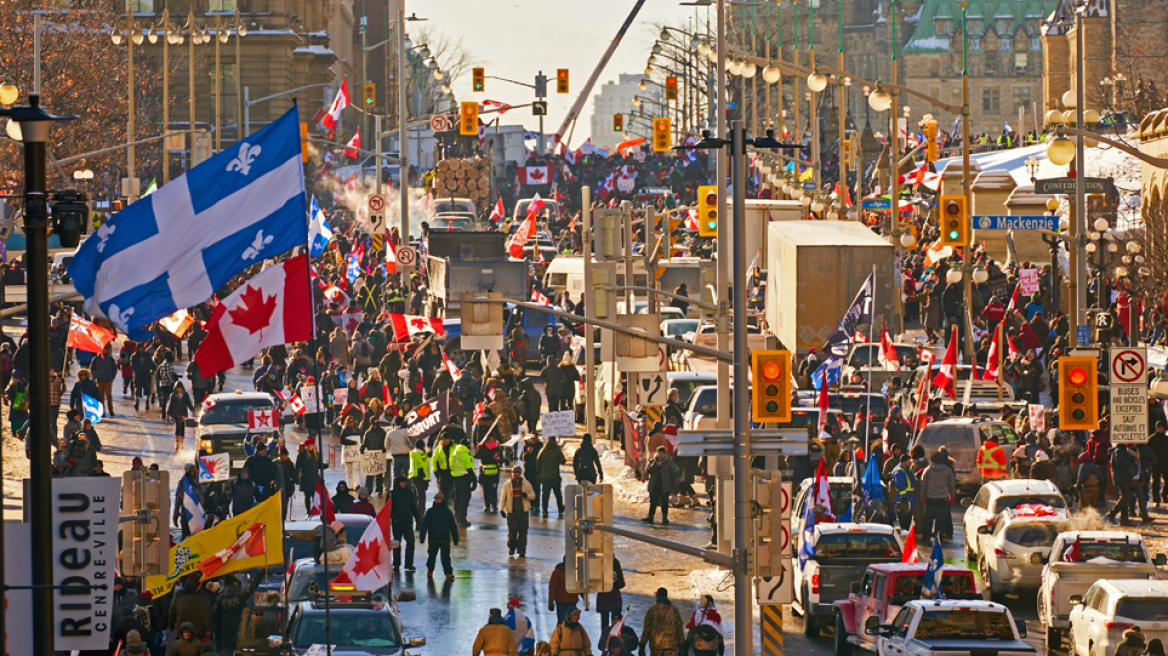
<point>925,38</point>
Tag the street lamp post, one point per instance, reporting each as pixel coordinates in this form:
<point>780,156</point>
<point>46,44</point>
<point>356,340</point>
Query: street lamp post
<point>34,128</point>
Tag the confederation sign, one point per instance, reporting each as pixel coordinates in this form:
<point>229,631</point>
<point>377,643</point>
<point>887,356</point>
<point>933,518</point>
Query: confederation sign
<point>986,222</point>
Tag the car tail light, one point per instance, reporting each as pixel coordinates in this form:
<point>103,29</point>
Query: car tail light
<point>1118,626</point>
<point>815,583</point>
<point>1053,598</point>
<point>989,521</point>
<point>1002,553</point>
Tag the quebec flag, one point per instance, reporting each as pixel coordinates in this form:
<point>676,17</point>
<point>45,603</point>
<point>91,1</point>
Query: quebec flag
<point>174,248</point>
<point>94,410</point>
<point>319,231</point>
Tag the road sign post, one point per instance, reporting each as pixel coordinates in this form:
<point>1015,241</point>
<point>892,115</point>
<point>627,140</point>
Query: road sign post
<point>377,223</point>
<point>1128,375</point>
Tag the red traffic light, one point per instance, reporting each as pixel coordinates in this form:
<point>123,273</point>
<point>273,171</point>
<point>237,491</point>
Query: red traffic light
<point>1077,376</point>
<point>952,208</point>
<point>771,370</point>
<point>711,199</point>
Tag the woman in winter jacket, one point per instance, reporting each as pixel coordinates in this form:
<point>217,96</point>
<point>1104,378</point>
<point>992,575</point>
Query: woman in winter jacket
<point>569,377</point>
<point>609,603</point>
<point>586,464</point>
<point>177,408</point>
<point>125,365</point>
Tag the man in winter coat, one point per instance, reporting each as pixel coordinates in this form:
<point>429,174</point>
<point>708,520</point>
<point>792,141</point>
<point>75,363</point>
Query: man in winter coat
<point>551,456</point>
<point>228,611</point>
<point>186,644</point>
<point>559,599</point>
<point>515,502</point>
<point>243,493</point>
<point>104,368</point>
<point>663,481</point>
<point>191,606</point>
<point>570,638</point>
<point>83,386</point>
<point>1133,643</point>
<point>663,630</point>
<point>442,528</point>
<point>1125,470</point>
<point>374,440</point>
<point>343,500</point>
<point>586,462</point>
<point>308,466</point>
<point>554,381</point>
<point>264,472</point>
<point>938,486</point>
<point>404,515</point>
<point>496,638</point>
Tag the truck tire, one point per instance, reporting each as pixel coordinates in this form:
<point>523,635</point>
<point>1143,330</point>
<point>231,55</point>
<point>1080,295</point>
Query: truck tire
<point>810,622</point>
<point>454,351</point>
<point>842,646</point>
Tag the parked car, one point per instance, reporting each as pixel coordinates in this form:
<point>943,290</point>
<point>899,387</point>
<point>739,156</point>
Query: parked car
<point>358,623</point>
<point>962,437</point>
<point>864,358</point>
<point>936,627</point>
<point>840,555</point>
<point>1016,546</point>
<point>996,496</point>
<point>1109,608</point>
<point>1080,558</point>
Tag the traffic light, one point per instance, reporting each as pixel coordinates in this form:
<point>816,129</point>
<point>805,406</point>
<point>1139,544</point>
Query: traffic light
<point>370,93</point>
<point>1078,392</point>
<point>468,119</point>
<point>708,211</point>
<point>770,372</point>
<point>766,544</point>
<point>562,80</point>
<point>588,553</point>
<point>609,241</point>
<point>931,140</point>
<point>662,139</point>
<point>146,540</point>
<point>954,222</point>
<point>671,88</point>
<point>618,122</point>
<point>846,151</point>
<point>478,77</point>
<point>481,323</point>
<point>854,152</point>
<point>70,216</point>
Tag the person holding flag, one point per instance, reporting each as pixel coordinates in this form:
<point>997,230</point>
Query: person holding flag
<point>520,627</point>
<point>188,502</point>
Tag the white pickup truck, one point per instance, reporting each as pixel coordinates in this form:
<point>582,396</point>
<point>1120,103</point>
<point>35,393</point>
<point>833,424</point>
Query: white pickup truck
<point>952,628</point>
<point>1069,572</point>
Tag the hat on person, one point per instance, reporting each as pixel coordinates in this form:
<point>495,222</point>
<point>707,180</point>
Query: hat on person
<point>283,450</point>
<point>661,595</point>
<point>336,526</point>
<point>513,603</point>
<point>309,442</point>
<point>438,496</point>
<point>495,612</point>
<point>1041,456</point>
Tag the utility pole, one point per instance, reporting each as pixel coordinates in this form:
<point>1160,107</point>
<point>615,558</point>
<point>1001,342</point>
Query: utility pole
<point>893,174</point>
<point>540,94</point>
<point>1079,219</point>
<point>403,155</point>
<point>967,191</point>
<point>589,302</point>
<point>722,319</point>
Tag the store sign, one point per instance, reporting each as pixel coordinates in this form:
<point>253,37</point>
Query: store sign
<point>85,550</point>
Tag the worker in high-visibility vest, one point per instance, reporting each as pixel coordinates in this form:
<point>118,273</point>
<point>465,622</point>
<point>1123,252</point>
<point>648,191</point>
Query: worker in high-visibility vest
<point>441,462</point>
<point>991,461</point>
<point>420,474</point>
<point>462,473</point>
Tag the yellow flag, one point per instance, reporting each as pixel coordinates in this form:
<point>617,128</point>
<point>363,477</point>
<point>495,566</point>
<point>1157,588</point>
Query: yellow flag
<point>186,555</point>
<point>806,175</point>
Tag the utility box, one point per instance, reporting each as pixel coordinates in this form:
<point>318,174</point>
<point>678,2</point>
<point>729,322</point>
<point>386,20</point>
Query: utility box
<point>814,272</point>
<point>146,539</point>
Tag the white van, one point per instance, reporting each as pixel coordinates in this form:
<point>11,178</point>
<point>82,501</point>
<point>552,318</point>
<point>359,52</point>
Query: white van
<point>566,274</point>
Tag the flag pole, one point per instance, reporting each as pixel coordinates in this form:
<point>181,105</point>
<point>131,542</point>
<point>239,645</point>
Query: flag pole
<point>868,412</point>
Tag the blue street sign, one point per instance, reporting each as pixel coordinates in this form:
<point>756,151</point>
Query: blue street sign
<point>731,105</point>
<point>877,204</point>
<point>808,185</point>
<point>1015,222</point>
<point>1082,335</point>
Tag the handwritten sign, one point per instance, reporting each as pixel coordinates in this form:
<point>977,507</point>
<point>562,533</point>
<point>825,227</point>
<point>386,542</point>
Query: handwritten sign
<point>1037,418</point>
<point>561,423</point>
<point>373,463</point>
<point>351,453</point>
<point>1028,282</point>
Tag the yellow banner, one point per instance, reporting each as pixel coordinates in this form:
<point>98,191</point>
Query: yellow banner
<point>806,175</point>
<point>186,555</point>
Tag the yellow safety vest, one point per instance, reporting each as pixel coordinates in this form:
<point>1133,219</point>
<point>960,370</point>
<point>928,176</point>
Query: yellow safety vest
<point>441,458</point>
<point>419,465</point>
<point>461,463</point>
<point>990,467</point>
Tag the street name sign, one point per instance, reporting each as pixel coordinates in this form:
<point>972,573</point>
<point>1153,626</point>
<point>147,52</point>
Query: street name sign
<point>1067,186</point>
<point>1010,222</point>
<point>876,204</point>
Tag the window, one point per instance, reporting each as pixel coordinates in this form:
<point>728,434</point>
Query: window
<point>1020,62</point>
<point>1022,97</point>
<point>935,68</point>
<point>1054,500</point>
<point>974,44</point>
<point>866,583</point>
<point>990,101</point>
<point>964,624</point>
<point>943,27</point>
<point>901,622</point>
<point>881,579</point>
<point>1006,44</point>
<point>1003,26</point>
<point>982,499</point>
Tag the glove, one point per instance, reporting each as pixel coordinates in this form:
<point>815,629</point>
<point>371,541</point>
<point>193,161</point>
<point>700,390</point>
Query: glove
<point>503,513</point>
<point>552,607</point>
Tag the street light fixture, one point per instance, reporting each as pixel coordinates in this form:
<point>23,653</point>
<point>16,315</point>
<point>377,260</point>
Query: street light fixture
<point>880,100</point>
<point>1060,151</point>
<point>817,82</point>
<point>749,69</point>
<point>8,92</point>
<point>771,74</point>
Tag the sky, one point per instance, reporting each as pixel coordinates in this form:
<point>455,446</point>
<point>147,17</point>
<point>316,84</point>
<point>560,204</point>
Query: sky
<point>515,39</point>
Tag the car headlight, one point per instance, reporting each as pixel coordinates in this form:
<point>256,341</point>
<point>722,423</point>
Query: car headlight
<point>206,445</point>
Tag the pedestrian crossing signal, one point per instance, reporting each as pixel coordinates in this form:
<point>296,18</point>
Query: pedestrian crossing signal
<point>662,140</point>
<point>562,80</point>
<point>468,119</point>
<point>618,122</point>
<point>478,77</point>
<point>671,88</point>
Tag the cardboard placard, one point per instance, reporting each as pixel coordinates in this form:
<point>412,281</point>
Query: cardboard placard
<point>1028,282</point>
<point>373,463</point>
<point>561,423</point>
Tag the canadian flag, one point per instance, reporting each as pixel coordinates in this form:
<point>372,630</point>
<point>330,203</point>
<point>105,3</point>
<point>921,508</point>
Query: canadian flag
<point>249,544</point>
<point>691,221</point>
<point>569,155</point>
<point>888,356</point>
<point>533,175</point>
<point>390,257</point>
<point>498,214</point>
<point>607,186</point>
<point>354,144</point>
<point>539,297</point>
<point>921,410</point>
<point>178,323</point>
<point>349,321</point>
<point>336,295</point>
<point>450,366</point>
<point>330,120</point>
<point>910,554</point>
<point>947,374</point>
<point>351,184</point>
<point>406,326</point>
<point>368,569</point>
<point>321,500</point>
<point>525,231</point>
<point>87,336</point>
<point>273,308</point>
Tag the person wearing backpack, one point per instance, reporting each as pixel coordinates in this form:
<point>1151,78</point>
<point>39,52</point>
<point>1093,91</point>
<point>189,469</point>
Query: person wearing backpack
<point>362,354</point>
<point>586,462</point>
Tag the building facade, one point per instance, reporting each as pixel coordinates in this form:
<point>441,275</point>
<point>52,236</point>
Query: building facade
<point>617,98</point>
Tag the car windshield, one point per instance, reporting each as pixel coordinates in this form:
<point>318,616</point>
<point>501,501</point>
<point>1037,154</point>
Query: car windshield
<point>856,545</point>
<point>441,206</point>
<point>1118,551</point>
<point>1034,535</point>
<point>451,224</point>
<point>1142,610</point>
<point>231,411</point>
<point>850,404</point>
<point>350,627</point>
<point>302,580</point>
<point>1012,502</point>
<point>261,622</point>
<point>908,587</point>
<point>679,328</point>
<point>960,624</point>
<point>909,356</point>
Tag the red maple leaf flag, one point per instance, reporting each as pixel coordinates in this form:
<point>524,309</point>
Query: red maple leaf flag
<point>352,148</point>
<point>533,175</point>
<point>329,120</point>
<point>368,569</point>
<point>406,326</point>
<point>273,308</point>
<point>948,372</point>
<point>321,500</point>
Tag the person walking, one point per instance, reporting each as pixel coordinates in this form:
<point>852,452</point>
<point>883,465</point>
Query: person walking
<point>496,638</point>
<point>559,599</point>
<point>991,460</point>
<point>490,457</point>
<point>609,603</point>
<point>586,462</point>
<point>243,493</point>
<point>404,515</point>
<point>938,486</point>
<point>441,463</point>
<point>308,469</point>
<point>178,407</point>
<point>515,501</point>
<point>663,480</point>
<point>104,368</point>
<point>569,638</point>
<point>442,528</point>
<point>904,491</point>
<point>551,456</point>
<point>662,630</point>
<point>374,441</point>
<point>462,472</point>
<point>419,474</point>
<point>1125,471</point>
<point>1158,442</point>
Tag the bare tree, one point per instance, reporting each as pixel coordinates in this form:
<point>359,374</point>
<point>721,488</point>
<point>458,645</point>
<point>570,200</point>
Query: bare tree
<point>454,60</point>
